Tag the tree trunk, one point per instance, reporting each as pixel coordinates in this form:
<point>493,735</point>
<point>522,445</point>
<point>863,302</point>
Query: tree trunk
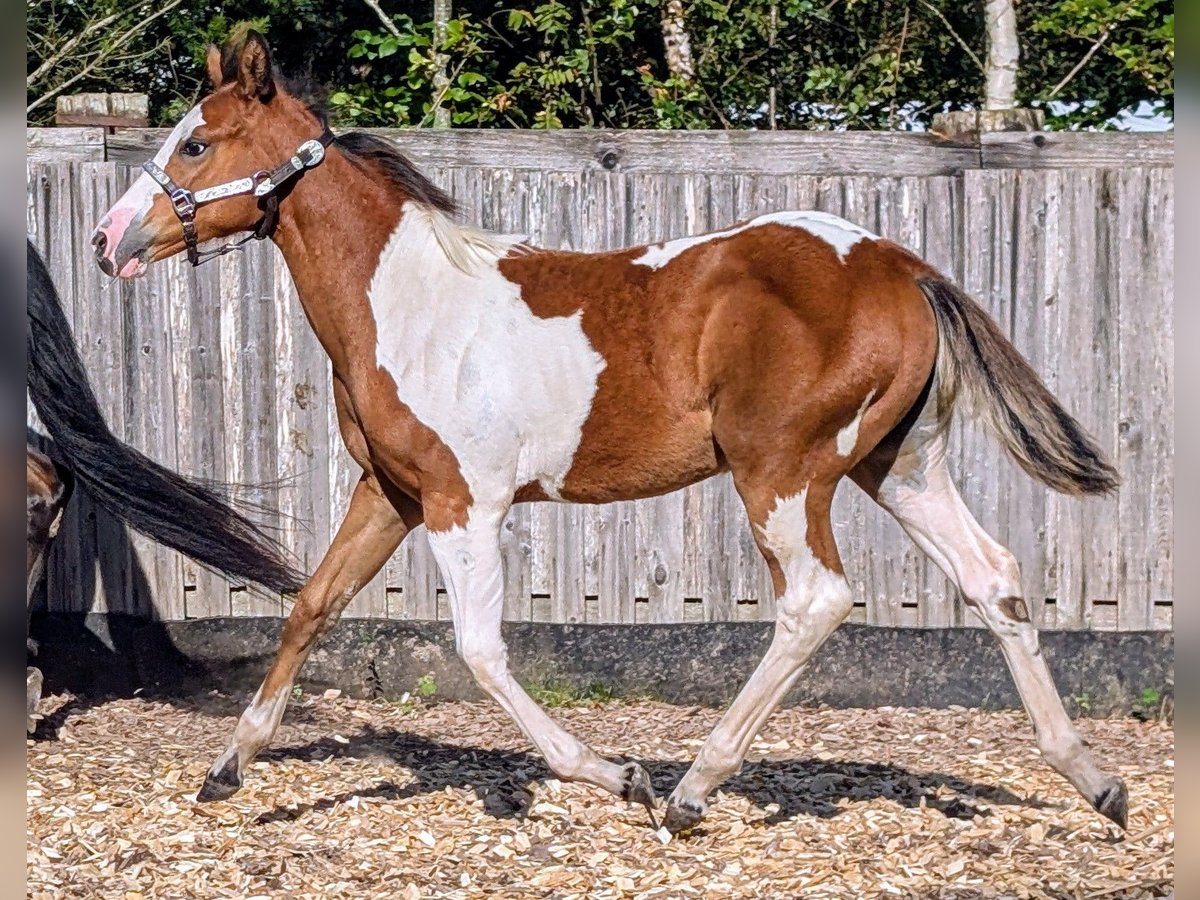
<point>1003,53</point>
<point>678,44</point>
<point>442,11</point>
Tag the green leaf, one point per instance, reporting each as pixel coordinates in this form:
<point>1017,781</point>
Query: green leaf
<point>518,19</point>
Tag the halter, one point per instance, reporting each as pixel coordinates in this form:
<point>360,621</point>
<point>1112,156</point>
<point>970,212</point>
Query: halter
<point>262,184</point>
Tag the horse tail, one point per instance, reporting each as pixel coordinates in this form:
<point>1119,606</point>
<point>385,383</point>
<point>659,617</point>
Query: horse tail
<point>977,363</point>
<point>181,513</point>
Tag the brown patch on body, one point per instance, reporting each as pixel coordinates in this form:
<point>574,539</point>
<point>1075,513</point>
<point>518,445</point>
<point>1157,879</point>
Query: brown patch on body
<point>750,350</point>
<point>46,495</point>
<point>746,352</point>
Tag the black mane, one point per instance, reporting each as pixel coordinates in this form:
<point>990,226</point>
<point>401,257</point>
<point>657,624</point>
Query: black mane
<point>369,150</point>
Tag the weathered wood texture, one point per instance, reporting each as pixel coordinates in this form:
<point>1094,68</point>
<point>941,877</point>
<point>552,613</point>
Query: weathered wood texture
<point>215,371</point>
<point>728,152</point>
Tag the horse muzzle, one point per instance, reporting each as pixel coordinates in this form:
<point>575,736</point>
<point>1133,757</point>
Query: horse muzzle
<point>122,249</point>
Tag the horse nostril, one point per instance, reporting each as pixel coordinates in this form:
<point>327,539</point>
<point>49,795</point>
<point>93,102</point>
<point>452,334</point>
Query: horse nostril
<point>100,243</point>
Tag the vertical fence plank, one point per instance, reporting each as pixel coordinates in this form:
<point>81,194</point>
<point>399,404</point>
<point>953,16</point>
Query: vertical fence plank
<point>202,449</point>
<point>1083,323</point>
<point>1145,245</point>
<point>987,252</point>
<point>100,333</point>
<point>151,426</point>
<point>66,576</point>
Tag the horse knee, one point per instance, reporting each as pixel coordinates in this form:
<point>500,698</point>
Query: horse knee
<point>994,587</point>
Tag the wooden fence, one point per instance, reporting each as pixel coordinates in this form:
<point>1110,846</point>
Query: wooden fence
<point>1067,239</point>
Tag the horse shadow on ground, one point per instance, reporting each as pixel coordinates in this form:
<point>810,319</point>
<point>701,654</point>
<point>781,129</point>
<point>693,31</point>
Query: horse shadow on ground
<point>505,781</point>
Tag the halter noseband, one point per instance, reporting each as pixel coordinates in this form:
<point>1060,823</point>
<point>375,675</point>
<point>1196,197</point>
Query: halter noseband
<point>261,184</point>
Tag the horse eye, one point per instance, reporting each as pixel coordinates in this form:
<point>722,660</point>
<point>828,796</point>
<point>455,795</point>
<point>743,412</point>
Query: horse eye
<point>193,148</point>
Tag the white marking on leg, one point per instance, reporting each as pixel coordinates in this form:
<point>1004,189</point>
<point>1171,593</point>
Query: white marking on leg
<point>847,438</point>
<point>469,559</point>
<point>506,391</point>
<point>814,602</point>
<point>254,730</point>
<point>926,503</point>
<point>833,230</point>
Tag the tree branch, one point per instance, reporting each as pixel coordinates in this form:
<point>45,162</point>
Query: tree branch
<point>954,34</point>
<point>103,56</point>
<point>66,49</point>
<point>1092,51</point>
<point>383,17</point>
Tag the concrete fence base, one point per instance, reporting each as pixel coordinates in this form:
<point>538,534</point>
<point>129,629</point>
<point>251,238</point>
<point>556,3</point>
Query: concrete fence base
<point>1099,673</point>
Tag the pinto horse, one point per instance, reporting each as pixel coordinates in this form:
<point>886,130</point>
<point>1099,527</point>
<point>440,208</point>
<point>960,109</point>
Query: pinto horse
<point>472,371</point>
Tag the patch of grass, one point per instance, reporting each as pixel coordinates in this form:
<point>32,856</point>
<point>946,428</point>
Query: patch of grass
<point>1082,702</point>
<point>426,687</point>
<point>555,692</point>
<point>1151,706</point>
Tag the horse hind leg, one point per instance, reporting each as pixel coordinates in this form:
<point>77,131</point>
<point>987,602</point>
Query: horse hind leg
<point>795,535</point>
<point>915,486</point>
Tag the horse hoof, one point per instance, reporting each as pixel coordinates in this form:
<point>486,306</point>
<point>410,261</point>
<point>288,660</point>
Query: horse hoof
<point>220,785</point>
<point>636,787</point>
<point>682,816</point>
<point>1113,803</point>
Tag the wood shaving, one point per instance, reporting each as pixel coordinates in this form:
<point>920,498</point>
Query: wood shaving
<point>372,799</point>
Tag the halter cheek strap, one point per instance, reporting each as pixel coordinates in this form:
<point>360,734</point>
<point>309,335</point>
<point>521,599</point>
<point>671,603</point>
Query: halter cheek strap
<point>262,184</point>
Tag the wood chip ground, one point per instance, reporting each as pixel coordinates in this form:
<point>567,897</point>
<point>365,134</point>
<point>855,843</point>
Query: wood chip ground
<point>373,799</point>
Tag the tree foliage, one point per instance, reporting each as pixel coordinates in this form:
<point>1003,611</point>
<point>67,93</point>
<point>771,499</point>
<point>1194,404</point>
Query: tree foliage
<point>601,63</point>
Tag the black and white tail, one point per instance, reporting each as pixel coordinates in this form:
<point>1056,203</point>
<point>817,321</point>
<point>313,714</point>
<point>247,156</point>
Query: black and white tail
<point>978,364</point>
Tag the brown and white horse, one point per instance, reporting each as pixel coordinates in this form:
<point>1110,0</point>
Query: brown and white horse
<point>472,371</point>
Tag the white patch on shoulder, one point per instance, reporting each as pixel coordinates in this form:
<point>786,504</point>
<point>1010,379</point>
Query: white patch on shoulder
<point>848,436</point>
<point>506,391</point>
<point>834,230</point>
<point>142,192</point>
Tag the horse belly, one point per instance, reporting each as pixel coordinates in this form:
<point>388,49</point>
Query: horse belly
<point>644,452</point>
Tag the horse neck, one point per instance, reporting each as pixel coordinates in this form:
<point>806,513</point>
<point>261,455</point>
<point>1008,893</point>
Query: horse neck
<point>332,229</point>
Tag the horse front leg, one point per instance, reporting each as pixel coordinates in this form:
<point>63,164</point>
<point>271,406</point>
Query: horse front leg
<point>470,562</point>
<point>369,534</point>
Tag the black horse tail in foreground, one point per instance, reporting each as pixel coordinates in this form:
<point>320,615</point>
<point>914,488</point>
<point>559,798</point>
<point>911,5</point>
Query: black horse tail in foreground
<point>178,512</point>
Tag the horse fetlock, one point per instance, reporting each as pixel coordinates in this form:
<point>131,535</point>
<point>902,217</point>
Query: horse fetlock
<point>1062,749</point>
<point>636,786</point>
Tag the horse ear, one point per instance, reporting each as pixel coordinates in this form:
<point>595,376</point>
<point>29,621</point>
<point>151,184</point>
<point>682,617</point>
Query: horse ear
<point>213,63</point>
<point>254,68</point>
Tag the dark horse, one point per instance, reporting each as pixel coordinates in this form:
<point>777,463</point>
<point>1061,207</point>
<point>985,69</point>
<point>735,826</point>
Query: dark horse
<point>179,512</point>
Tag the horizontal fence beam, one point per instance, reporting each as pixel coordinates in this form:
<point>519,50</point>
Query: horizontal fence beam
<point>728,152</point>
